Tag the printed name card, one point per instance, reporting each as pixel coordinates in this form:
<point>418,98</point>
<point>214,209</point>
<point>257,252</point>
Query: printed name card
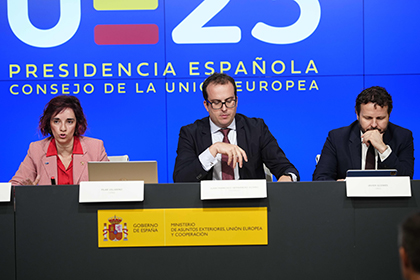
<point>111,191</point>
<point>5,191</point>
<point>228,189</point>
<point>394,186</point>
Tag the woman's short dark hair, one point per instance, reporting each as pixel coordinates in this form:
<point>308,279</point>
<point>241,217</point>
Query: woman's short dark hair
<point>57,105</point>
<point>218,79</point>
<point>376,95</point>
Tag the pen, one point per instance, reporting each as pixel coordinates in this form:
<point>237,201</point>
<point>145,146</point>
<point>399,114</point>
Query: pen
<point>52,180</point>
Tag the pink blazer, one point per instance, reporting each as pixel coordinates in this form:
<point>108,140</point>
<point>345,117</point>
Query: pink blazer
<point>36,162</point>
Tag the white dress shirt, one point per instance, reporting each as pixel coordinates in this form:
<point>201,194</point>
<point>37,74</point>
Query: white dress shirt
<point>206,158</point>
<point>382,156</point>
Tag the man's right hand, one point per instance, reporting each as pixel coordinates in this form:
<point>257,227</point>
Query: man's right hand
<point>375,138</point>
<point>235,153</point>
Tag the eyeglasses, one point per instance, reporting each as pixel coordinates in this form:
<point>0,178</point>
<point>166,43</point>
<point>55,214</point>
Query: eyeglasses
<point>229,103</point>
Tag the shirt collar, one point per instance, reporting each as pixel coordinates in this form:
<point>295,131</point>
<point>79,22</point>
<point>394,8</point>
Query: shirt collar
<point>361,140</point>
<point>214,128</point>
<point>77,147</point>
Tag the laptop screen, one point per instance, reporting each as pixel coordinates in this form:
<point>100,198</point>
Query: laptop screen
<point>372,173</point>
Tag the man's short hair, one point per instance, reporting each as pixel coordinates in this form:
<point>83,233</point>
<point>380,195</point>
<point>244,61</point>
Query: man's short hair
<point>376,95</point>
<point>218,79</point>
<point>409,239</point>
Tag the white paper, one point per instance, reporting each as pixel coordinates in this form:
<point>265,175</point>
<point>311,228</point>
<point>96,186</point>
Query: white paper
<point>5,191</point>
<point>228,189</point>
<point>111,191</point>
<point>389,186</point>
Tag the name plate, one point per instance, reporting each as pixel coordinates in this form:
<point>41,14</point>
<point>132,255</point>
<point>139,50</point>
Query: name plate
<point>182,227</point>
<point>398,186</point>
<point>5,191</point>
<point>111,191</point>
<point>228,189</point>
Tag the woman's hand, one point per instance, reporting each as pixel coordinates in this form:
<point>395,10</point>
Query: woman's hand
<point>29,182</point>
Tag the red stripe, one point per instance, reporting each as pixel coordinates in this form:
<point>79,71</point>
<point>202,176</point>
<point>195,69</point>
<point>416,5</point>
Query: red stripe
<point>126,34</point>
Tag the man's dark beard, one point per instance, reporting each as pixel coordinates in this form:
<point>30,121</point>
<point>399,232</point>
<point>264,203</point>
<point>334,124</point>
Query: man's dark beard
<point>372,128</point>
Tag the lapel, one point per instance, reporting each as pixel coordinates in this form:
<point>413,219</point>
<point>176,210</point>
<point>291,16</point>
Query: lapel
<point>79,163</point>
<point>49,163</point>
<point>355,147</point>
<point>388,135</point>
<point>240,132</point>
<point>205,140</point>
<point>241,139</point>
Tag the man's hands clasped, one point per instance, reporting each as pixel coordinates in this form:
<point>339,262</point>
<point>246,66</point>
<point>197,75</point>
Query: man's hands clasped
<point>374,137</point>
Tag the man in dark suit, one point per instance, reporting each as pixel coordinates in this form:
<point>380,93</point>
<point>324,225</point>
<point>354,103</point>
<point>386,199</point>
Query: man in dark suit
<point>409,247</point>
<point>390,146</point>
<point>227,145</point>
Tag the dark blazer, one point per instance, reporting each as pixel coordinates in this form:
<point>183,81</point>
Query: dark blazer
<point>253,137</point>
<point>343,151</point>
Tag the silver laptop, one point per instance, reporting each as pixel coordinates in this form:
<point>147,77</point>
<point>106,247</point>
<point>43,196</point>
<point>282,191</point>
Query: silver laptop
<point>123,171</point>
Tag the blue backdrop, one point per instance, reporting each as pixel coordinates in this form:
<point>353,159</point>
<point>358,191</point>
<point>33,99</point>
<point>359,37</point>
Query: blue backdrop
<point>299,66</point>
